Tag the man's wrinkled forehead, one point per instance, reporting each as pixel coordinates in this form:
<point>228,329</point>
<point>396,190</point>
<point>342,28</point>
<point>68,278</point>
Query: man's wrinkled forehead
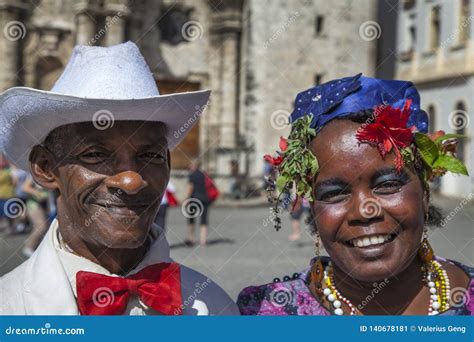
<point>133,132</point>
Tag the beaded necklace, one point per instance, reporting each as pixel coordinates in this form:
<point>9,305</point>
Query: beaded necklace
<point>436,279</point>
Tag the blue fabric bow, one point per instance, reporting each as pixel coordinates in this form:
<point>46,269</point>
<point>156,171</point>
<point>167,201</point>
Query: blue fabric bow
<point>347,95</point>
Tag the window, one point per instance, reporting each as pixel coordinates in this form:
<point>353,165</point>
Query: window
<point>464,22</point>
<point>318,78</point>
<point>319,26</point>
<point>435,27</point>
<point>432,118</point>
<point>459,121</point>
<point>412,31</point>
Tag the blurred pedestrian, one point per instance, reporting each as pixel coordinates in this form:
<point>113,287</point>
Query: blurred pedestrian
<point>300,207</point>
<point>7,192</point>
<point>198,203</point>
<point>37,212</point>
<point>168,200</point>
<point>19,177</point>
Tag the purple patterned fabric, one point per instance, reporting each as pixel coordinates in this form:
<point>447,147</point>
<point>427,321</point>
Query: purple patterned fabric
<point>293,297</point>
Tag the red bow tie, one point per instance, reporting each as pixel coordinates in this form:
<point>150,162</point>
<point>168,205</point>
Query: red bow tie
<point>158,286</point>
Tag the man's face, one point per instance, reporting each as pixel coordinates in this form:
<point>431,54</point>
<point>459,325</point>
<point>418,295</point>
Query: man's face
<point>111,182</point>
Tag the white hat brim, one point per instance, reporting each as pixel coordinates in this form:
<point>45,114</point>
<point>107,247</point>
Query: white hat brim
<point>28,115</point>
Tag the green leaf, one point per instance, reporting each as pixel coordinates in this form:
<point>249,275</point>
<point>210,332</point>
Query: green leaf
<point>449,136</point>
<point>451,164</point>
<point>428,149</point>
<point>314,166</point>
<point>281,182</point>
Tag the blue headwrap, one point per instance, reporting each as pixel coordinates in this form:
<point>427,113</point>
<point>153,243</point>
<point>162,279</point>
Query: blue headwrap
<point>341,97</point>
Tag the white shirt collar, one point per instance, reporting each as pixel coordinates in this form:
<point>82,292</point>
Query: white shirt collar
<point>73,263</point>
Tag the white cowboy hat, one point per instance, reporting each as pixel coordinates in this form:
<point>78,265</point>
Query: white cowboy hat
<point>101,85</point>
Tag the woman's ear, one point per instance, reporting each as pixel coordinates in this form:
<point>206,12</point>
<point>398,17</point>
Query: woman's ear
<point>426,203</point>
<point>43,167</point>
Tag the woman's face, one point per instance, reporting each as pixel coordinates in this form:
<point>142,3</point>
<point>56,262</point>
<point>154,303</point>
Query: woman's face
<point>370,218</point>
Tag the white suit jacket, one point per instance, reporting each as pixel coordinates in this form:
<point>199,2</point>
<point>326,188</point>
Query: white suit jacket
<point>40,285</point>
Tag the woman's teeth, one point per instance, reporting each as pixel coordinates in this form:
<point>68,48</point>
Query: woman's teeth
<point>371,240</point>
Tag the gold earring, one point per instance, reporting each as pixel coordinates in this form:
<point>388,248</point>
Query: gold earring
<point>425,251</point>
<point>317,269</point>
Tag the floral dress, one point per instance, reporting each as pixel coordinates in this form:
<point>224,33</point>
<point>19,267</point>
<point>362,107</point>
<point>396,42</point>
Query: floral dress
<point>291,296</point>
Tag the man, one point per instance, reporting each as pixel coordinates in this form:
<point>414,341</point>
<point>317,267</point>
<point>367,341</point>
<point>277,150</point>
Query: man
<point>100,140</point>
<point>197,193</point>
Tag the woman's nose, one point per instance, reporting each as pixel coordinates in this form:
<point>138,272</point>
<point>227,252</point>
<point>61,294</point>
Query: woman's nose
<point>365,208</point>
<point>129,181</point>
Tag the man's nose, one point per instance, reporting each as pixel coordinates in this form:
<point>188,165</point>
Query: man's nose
<point>129,181</point>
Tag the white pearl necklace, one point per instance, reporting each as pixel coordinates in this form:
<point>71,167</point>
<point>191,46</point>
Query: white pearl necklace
<point>336,299</point>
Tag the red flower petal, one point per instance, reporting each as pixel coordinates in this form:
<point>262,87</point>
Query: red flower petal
<point>388,131</point>
<point>283,144</point>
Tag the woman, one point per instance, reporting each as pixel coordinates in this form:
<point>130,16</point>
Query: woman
<point>358,152</point>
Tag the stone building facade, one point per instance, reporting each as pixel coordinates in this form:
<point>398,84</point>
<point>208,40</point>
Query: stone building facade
<point>436,52</point>
<point>254,54</point>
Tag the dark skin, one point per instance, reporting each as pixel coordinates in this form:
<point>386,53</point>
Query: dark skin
<point>109,187</point>
<point>351,176</point>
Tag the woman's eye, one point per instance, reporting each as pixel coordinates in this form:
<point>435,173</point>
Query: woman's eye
<point>389,186</point>
<point>333,196</point>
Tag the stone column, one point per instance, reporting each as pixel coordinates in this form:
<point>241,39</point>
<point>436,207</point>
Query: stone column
<point>13,34</point>
<point>226,29</point>
<point>85,24</point>
<point>225,37</point>
<point>10,34</point>
<point>117,11</point>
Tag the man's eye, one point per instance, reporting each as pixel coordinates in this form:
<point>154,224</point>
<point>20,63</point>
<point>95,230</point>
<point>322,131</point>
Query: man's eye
<point>96,154</point>
<point>154,156</point>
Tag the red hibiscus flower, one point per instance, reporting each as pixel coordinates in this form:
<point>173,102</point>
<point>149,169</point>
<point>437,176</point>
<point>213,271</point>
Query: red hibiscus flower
<point>388,131</point>
<point>273,161</point>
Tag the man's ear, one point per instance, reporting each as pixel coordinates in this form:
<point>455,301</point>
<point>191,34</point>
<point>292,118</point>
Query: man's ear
<point>43,167</point>
<point>169,159</point>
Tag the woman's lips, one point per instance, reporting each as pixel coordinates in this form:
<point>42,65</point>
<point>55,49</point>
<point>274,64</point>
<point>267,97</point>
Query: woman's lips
<point>373,245</point>
<point>371,240</point>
